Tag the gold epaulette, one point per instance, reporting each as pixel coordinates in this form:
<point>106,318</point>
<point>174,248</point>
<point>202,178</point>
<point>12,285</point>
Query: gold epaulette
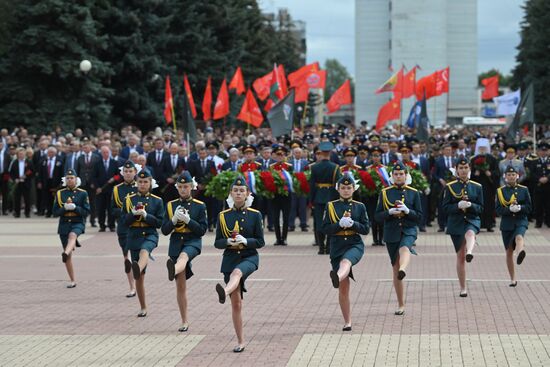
<point>452,182</point>
<point>155,196</point>
<point>253,210</point>
<point>198,201</point>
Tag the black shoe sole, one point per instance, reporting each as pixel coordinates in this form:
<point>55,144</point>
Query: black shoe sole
<point>171,269</point>
<point>221,293</point>
<point>335,279</point>
<point>463,295</point>
<point>469,258</point>
<point>136,271</point>
<point>399,313</point>
<point>514,284</point>
<point>127,266</point>
<point>346,328</point>
<point>521,257</point>
<point>401,275</point>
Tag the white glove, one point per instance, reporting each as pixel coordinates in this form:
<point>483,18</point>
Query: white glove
<point>393,211</point>
<point>427,191</point>
<point>231,242</point>
<point>185,217</point>
<point>404,209</point>
<point>69,206</point>
<point>515,208</point>
<point>140,212</point>
<point>343,222</point>
<point>240,239</point>
<point>349,221</point>
<point>175,218</point>
<point>463,204</point>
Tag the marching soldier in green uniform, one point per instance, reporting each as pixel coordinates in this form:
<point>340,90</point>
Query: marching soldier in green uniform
<point>324,175</point>
<point>345,220</point>
<point>143,214</point>
<point>463,203</point>
<point>400,210</point>
<point>239,233</point>
<point>513,205</point>
<point>186,221</point>
<point>120,191</point>
<point>71,205</point>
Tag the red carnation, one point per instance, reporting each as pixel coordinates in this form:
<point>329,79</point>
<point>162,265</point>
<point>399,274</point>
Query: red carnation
<point>268,181</point>
<point>367,180</point>
<point>479,161</point>
<point>302,179</point>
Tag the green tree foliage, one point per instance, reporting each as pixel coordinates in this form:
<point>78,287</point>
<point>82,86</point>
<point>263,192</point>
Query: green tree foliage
<point>532,58</point>
<point>133,45</point>
<point>503,80</point>
<point>336,76</point>
<point>41,82</point>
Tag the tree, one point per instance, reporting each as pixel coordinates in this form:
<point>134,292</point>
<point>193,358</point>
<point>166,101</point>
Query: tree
<point>336,76</point>
<point>42,85</point>
<point>6,15</point>
<point>532,58</point>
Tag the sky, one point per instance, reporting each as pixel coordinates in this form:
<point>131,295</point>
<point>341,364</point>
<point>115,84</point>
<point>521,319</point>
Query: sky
<point>330,30</point>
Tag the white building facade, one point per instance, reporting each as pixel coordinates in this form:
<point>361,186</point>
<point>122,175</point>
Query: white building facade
<point>432,34</point>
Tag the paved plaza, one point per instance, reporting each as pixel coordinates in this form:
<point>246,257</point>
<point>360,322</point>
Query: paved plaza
<point>291,311</point>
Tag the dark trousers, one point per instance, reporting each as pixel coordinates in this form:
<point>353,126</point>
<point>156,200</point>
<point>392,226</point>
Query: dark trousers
<point>91,197</point>
<point>264,208</point>
<point>298,208</point>
<point>4,192</point>
<point>39,195</point>
<point>280,203</point>
<point>377,228</point>
<point>48,194</point>
<point>441,215</point>
<point>103,206</point>
<point>424,199</point>
<point>21,190</point>
<point>542,204</point>
<point>320,238</point>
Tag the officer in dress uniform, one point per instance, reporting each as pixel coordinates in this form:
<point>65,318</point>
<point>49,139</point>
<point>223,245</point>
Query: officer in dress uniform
<point>118,198</point>
<point>143,214</point>
<point>71,205</point>
<point>513,205</point>
<point>239,234</point>
<point>281,203</point>
<point>185,220</point>
<point>400,210</point>
<point>345,220</point>
<point>324,175</point>
<point>463,203</point>
<point>371,202</point>
<point>250,165</point>
<point>541,184</point>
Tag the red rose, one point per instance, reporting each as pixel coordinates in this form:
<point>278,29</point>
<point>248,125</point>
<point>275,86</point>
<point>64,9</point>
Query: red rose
<point>302,179</point>
<point>268,181</point>
<point>367,180</point>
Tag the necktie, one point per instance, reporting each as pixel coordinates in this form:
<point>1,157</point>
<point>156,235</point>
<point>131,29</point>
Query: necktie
<point>50,168</point>
<point>297,166</point>
<point>106,162</point>
<point>87,159</point>
<point>158,157</point>
<point>203,165</point>
<point>174,163</point>
<point>72,161</point>
<point>233,166</point>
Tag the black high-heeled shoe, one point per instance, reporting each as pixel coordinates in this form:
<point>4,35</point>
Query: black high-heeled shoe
<point>521,257</point>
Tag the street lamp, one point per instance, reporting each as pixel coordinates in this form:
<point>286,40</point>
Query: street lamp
<point>85,66</point>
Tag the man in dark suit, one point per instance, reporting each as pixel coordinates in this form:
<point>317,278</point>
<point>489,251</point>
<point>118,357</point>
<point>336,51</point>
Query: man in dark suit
<point>201,169</point>
<point>155,160</point>
<point>173,166</point>
<point>232,163</point>
<point>263,205</point>
<point>132,146</point>
<point>5,160</point>
<point>87,171</point>
<point>443,175</point>
<point>387,157</point>
<point>36,161</point>
<point>298,205</point>
<point>50,171</point>
<point>21,172</point>
<point>72,157</point>
<point>106,169</point>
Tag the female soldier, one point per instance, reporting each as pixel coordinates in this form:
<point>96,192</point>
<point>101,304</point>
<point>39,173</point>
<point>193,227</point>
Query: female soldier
<point>239,234</point>
<point>400,210</point>
<point>345,220</point>
<point>513,205</point>
<point>186,220</point>
<point>71,205</point>
<point>120,191</point>
<point>463,203</point>
<point>143,214</point>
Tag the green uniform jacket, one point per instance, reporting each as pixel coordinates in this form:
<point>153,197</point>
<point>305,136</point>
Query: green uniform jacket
<point>341,238</point>
<point>143,229</point>
<point>248,223</point>
<point>189,234</point>
<point>406,224</point>
<point>322,182</point>
<point>118,199</point>
<point>458,219</point>
<point>506,195</point>
<point>68,218</point>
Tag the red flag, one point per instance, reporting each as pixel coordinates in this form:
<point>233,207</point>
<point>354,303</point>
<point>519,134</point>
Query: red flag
<point>207,101</point>
<point>237,82</point>
<point>315,79</point>
<point>221,109</point>
<point>391,84</point>
<point>189,96</point>
<point>491,87</point>
<point>389,111</point>
<point>168,103</point>
<point>298,77</point>
<point>442,81</point>
<point>407,86</point>
<point>341,97</point>
<point>262,85</point>
<point>268,105</point>
<point>276,85</point>
<point>282,79</point>
<point>425,86</point>
<point>250,111</point>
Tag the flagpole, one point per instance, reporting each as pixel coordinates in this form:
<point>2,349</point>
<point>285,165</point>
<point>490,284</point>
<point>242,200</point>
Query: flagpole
<point>400,115</point>
<point>435,110</point>
<point>535,136</point>
<point>188,146</point>
<point>304,113</point>
<point>447,110</point>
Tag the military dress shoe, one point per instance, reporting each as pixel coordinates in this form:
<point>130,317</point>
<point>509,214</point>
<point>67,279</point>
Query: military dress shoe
<point>102,229</point>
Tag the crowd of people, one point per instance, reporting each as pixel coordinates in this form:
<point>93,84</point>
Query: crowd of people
<point>135,184</point>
